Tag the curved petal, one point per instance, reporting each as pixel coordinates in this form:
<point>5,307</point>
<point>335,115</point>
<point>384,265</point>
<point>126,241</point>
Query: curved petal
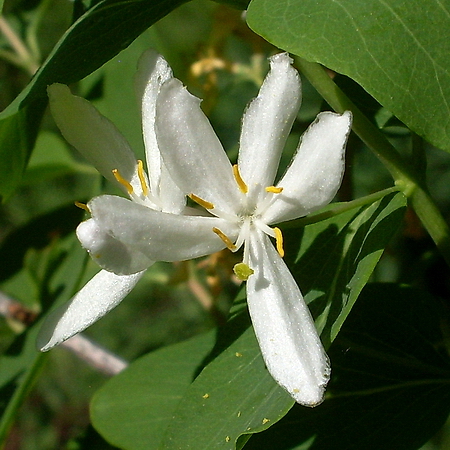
<point>315,173</point>
<point>191,150</point>
<point>99,296</point>
<point>109,253</point>
<point>283,325</point>
<point>152,72</point>
<point>267,122</point>
<point>160,236</point>
<point>92,134</point>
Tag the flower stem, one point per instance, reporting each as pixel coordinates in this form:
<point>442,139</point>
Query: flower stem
<point>405,176</point>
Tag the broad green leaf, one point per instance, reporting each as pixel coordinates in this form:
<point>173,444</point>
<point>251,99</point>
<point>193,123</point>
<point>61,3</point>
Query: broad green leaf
<point>397,51</point>
<point>234,396</point>
<point>101,33</point>
<point>242,396</point>
<point>337,257</point>
<point>391,383</point>
<point>134,408</point>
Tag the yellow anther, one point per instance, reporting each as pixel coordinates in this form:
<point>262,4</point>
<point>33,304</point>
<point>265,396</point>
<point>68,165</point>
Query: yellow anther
<point>237,176</point>
<point>274,189</point>
<point>242,271</point>
<point>201,202</point>
<point>141,176</point>
<point>279,241</point>
<point>82,206</point>
<point>122,181</point>
<point>226,240</point>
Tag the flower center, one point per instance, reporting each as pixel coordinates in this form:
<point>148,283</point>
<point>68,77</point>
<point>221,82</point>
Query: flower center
<point>253,204</point>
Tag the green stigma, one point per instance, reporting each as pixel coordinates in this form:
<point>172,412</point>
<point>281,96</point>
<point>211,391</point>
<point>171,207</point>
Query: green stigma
<point>242,271</point>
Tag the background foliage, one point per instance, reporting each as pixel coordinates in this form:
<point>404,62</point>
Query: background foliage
<point>372,267</point>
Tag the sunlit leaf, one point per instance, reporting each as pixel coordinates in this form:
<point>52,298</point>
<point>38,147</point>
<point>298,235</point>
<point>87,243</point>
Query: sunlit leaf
<point>398,52</point>
<point>134,408</point>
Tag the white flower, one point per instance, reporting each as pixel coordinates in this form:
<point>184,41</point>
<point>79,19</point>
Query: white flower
<point>101,143</point>
<point>243,203</point>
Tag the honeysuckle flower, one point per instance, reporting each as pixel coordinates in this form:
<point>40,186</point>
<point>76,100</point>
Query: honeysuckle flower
<point>101,143</point>
<point>242,202</point>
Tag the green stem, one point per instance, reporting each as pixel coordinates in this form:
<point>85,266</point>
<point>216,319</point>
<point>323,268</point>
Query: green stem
<point>403,173</point>
<point>25,385</point>
<point>339,208</point>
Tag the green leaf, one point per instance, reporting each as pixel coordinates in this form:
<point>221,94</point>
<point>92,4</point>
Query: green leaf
<point>234,395</point>
<point>97,36</point>
<point>238,4</point>
<point>397,52</point>
<point>391,382</point>
<point>17,135</point>
<point>134,408</point>
<point>338,255</point>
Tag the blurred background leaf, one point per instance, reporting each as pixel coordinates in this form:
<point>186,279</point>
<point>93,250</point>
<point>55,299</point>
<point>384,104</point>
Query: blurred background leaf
<point>97,36</point>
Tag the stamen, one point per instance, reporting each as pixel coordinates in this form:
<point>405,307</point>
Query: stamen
<point>274,189</point>
<point>122,181</point>
<point>279,241</point>
<point>243,271</point>
<point>141,176</point>
<point>82,206</point>
<point>226,240</point>
<point>201,202</point>
<point>237,176</point>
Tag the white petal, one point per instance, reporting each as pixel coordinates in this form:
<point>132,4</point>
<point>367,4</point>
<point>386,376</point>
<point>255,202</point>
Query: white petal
<point>99,296</point>
<point>153,71</point>
<point>267,122</point>
<point>160,236</point>
<point>109,253</point>
<point>191,150</point>
<point>92,134</point>
<point>316,171</point>
<point>283,325</point>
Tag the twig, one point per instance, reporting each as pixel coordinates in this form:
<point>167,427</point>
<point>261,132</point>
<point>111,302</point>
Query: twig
<point>86,349</point>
